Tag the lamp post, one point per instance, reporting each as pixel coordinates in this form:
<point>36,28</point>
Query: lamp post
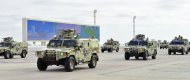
<point>95,11</point>
<point>134,26</point>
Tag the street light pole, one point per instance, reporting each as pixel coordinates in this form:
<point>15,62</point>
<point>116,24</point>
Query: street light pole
<point>95,11</point>
<point>134,26</point>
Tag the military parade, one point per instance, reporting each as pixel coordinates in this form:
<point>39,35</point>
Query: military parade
<point>94,40</point>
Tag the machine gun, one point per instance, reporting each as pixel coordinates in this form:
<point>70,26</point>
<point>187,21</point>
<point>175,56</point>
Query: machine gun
<point>140,37</point>
<point>67,34</point>
<point>8,40</point>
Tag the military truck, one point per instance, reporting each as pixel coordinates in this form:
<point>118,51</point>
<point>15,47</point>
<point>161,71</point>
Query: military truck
<point>68,50</point>
<point>139,47</point>
<point>178,44</point>
<point>164,45</point>
<point>110,46</point>
<point>9,48</point>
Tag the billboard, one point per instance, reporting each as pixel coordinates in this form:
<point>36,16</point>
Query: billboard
<point>46,30</point>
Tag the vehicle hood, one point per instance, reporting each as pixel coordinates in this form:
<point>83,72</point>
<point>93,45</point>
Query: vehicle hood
<point>58,49</point>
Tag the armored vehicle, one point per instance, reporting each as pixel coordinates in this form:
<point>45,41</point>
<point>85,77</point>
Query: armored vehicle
<point>68,50</point>
<point>139,47</point>
<point>164,45</point>
<point>110,46</point>
<point>9,48</point>
<point>178,44</point>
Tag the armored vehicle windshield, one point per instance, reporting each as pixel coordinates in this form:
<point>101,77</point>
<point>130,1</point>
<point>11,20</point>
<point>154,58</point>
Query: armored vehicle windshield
<point>5,44</point>
<point>62,43</point>
<point>137,43</point>
<point>69,43</point>
<point>108,43</point>
<point>55,43</point>
<point>177,43</point>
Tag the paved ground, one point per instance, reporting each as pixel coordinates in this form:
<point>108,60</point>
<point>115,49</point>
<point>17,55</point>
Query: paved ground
<point>112,66</point>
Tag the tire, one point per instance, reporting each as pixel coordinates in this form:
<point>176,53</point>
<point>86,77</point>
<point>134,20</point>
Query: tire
<point>154,55</point>
<point>12,56</point>
<point>7,55</point>
<point>182,52</point>
<point>23,54</point>
<point>174,53</point>
<point>93,62</point>
<point>127,56</point>
<point>186,52</point>
<point>145,57</point>
<point>169,52</point>
<point>41,64</point>
<point>102,51</point>
<point>70,64</point>
<point>117,50</point>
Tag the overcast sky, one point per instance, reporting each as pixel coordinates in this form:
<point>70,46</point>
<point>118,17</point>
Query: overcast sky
<point>157,19</point>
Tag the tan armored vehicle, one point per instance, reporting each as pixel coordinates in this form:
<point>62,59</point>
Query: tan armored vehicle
<point>110,46</point>
<point>178,44</point>
<point>9,48</point>
<point>69,51</point>
<point>139,47</point>
<point>164,45</point>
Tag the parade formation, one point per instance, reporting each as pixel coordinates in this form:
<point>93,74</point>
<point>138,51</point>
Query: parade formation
<point>72,46</point>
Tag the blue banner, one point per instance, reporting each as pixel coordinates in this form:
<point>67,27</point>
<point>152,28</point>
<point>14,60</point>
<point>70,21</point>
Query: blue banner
<point>44,30</point>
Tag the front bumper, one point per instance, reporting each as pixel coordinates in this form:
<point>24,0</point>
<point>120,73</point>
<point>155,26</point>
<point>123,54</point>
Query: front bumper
<point>135,52</point>
<point>176,50</point>
<point>52,56</point>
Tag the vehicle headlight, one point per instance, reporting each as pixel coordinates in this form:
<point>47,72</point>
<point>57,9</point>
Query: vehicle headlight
<point>142,49</point>
<point>62,54</point>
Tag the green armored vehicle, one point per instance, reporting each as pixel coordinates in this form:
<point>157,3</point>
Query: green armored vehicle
<point>110,46</point>
<point>164,45</point>
<point>139,47</point>
<point>179,44</point>
<point>67,50</point>
<point>9,48</point>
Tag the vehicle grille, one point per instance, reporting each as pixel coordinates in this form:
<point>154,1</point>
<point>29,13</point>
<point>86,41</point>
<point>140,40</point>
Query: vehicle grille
<point>50,57</point>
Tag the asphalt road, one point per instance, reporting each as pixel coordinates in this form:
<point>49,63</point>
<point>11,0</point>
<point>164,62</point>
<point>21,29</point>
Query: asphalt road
<point>112,66</point>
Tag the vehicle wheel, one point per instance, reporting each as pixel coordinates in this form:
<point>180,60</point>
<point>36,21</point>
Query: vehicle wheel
<point>70,64</point>
<point>7,54</point>
<point>137,57</point>
<point>169,52</point>
<point>102,51</point>
<point>182,52</point>
<point>11,56</point>
<point>145,57</point>
<point>41,64</point>
<point>93,62</point>
<point>117,50</point>
<point>186,52</point>
<point>174,53</point>
<point>154,55</point>
<point>23,54</point>
<point>127,56</point>
<point>108,50</point>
